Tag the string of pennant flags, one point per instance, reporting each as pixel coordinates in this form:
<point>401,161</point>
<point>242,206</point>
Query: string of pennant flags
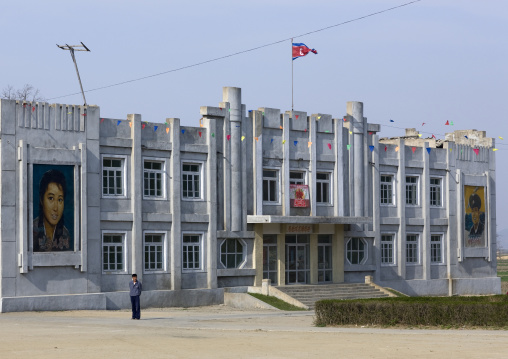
<point>295,143</point>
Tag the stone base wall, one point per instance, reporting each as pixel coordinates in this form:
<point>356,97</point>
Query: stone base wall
<point>113,300</point>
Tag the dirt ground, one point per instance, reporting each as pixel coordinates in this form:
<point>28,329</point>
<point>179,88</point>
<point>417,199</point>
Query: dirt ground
<point>224,332</point>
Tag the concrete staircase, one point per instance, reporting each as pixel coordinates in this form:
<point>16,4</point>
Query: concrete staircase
<point>310,294</point>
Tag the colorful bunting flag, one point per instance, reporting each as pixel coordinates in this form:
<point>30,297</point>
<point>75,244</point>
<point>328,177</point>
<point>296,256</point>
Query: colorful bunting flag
<point>413,149</point>
<point>84,114</point>
<point>295,142</point>
<point>428,150</point>
<point>228,137</point>
<point>348,147</point>
<point>494,149</point>
<point>386,148</point>
<point>397,149</point>
<point>345,119</point>
<point>271,141</point>
<point>447,123</point>
<point>183,131</point>
<point>451,123</point>
<point>280,127</point>
<point>350,132</point>
<point>309,144</point>
<point>330,146</point>
<point>102,120</point>
<point>119,121</point>
<point>392,121</point>
<point>283,141</point>
<point>142,125</point>
<point>33,108</point>
<point>199,133</point>
<point>256,138</point>
<point>69,113</point>
<point>318,117</point>
<point>155,128</point>
<point>213,134</point>
<point>501,138</point>
<point>477,151</point>
<point>327,131</point>
<point>296,117</point>
<point>466,137</point>
<point>167,129</point>
<point>371,148</point>
<point>130,125</point>
<point>433,136</point>
<point>370,133</point>
<point>419,135</point>
<point>423,123</point>
<point>243,138</point>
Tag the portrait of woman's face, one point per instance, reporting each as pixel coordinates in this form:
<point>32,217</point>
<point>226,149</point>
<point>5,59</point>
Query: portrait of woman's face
<point>53,203</point>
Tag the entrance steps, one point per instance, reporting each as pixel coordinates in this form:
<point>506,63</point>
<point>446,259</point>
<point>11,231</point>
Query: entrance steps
<point>310,294</point>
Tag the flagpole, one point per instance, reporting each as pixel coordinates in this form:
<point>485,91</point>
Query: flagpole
<point>292,105</point>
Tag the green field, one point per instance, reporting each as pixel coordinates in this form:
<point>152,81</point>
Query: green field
<point>502,269</point>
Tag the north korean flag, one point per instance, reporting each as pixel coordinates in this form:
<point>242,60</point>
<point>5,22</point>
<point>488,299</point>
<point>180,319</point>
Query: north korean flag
<point>300,50</point>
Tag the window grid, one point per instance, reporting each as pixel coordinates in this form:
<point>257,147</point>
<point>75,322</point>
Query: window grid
<point>296,177</point>
<point>323,187</point>
<point>411,190</point>
<point>270,186</point>
<point>386,189</point>
<point>387,249</point>
<point>435,192</point>
<point>153,184</point>
<point>436,248</point>
<point>412,248</point>
<point>112,252</point>
<point>112,176</point>
<point>231,253</point>
<point>154,249</point>
<point>191,181</point>
<point>355,250</point>
<point>191,248</point>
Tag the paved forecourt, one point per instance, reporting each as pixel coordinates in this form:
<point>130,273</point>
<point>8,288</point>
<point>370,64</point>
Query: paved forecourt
<point>224,332</point>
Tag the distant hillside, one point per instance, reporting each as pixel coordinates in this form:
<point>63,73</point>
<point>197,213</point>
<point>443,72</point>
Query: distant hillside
<point>502,239</point>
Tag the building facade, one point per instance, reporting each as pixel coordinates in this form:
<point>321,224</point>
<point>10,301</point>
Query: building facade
<point>247,195</point>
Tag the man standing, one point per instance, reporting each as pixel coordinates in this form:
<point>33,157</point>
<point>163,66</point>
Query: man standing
<point>135,289</point>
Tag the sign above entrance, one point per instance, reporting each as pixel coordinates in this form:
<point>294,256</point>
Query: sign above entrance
<point>299,195</point>
<point>299,228</point>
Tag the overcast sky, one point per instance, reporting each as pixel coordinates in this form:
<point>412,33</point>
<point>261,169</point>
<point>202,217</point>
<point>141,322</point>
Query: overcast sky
<point>431,61</point>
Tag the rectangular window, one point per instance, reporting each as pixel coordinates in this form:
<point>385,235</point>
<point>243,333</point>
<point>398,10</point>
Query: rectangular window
<point>271,186</point>
<point>191,180</point>
<point>323,188</point>
<point>154,252</point>
<point>112,176</point>
<point>153,179</point>
<point>387,189</point>
<point>113,252</point>
<point>296,177</point>
<point>435,192</point>
<point>270,257</point>
<point>387,249</point>
<point>412,190</point>
<point>191,249</point>
<point>412,248</point>
<point>436,248</point>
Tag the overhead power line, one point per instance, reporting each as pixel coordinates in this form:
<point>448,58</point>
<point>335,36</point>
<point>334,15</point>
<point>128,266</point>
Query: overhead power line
<point>241,52</point>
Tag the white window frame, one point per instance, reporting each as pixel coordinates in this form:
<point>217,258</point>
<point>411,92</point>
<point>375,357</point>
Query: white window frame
<point>418,246</point>
<point>330,184</point>
<point>244,253</point>
<point>124,250</point>
<point>441,235</point>
<point>277,183</point>
<point>394,247</point>
<point>297,180</point>
<point>441,197</point>
<point>201,252</point>
<point>164,246</point>
<point>392,183</point>
<point>366,250</point>
<point>124,175</point>
<point>417,189</point>
<point>201,165</point>
<point>163,173</point>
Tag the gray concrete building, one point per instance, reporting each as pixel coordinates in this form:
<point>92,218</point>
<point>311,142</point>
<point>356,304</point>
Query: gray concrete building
<point>247,195</point>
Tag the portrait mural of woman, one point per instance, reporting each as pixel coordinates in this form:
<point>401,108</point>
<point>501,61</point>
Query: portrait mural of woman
<point>53,208</point>
<point>474,231</point>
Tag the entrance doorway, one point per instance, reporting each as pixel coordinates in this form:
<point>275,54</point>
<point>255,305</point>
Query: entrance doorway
<point>297,259</point>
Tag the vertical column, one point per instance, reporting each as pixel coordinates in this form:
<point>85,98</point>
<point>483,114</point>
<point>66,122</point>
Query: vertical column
<point>83,208</point>
<point>258,162</point>
<point>211,205</point>
<point>285,200</point>
<point>313,164</point>
<point>425,242</point>
<point>22,206</point>
<point>339,169</point>
<point>175,193</point>
<point>135,194</point>
<point>355,112</point>
<point>338,254</point>
<point>258,254</point>
<point>376,215</point>
<point>450,197</point>
<point>401,210</point>
<point>233,95</point>
<point>313,247</point>
<point>281,256</point>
